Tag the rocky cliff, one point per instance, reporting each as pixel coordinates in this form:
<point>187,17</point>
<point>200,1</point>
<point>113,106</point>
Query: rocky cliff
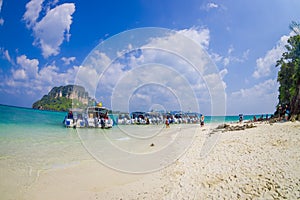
<point>64,97</point>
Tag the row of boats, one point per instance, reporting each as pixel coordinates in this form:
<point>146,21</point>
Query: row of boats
<point>157,118</point>
<point>100,117</point>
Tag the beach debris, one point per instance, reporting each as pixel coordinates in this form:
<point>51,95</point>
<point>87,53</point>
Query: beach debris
<point>222,126</point>
<point>233,127</point>
<point>151,145</point>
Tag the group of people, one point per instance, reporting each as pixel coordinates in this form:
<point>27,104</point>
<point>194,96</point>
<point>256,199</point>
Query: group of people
<point>261,118</point>
<point>167,122</point>
<point>283,112</point>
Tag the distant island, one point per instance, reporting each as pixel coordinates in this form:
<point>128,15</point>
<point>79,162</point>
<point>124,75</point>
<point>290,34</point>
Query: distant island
<point>64,97</point>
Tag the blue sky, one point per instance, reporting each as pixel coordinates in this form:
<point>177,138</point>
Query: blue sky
<point>44,43</point>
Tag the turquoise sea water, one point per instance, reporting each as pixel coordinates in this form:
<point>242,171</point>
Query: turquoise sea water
<point>32,141</point>
<point>25,128</point>
<point>29,135</point>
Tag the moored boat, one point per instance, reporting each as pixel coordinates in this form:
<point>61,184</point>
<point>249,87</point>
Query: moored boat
<point>92,117</point>
<point>98,117</point>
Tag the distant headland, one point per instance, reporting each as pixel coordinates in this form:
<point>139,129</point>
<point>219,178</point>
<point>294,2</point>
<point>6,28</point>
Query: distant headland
<point>64,97</point>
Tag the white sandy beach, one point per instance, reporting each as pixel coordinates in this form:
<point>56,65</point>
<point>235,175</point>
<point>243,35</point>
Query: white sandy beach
<point>256,163</point>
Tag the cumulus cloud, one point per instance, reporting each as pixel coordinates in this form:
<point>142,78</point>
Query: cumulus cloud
<point>29,66</point>
<point>33,9</point>
<point>230,50</point>
<point>154,51</point>
<point>201,36</point>
<point>248,100</point>
<point>68,61</point>
<point>230,57</point>
<point>19,74</point>
<point>139,82</point>
<point>161,64</point>
<point>5,55</point>
<point>223,72</point>
<point>210,6</point>
<point>257,91</point>
<point>1,19</point>
<point>29,78</point>
<point>52,29</point>
<point>90,72</point>
<point>266,65</point>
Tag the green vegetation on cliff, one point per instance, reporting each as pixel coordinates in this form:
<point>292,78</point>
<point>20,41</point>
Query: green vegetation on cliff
<point>64,97</point>
<point>289,73</point>
<point>48,103</point>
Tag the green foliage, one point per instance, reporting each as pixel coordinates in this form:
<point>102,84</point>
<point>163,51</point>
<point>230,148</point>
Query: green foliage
<point>58,104</point>
<point>295,26</point>
<point>289,75</point>
<point>59,98</point>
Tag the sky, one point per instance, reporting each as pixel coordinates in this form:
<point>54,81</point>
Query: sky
<point>47,43</point>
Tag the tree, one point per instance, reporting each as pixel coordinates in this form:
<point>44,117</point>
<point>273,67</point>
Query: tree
<point>294,26</point>
<point>289,73</point>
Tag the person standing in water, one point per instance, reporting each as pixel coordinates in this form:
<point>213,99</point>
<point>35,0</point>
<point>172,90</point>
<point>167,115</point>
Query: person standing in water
<point>241,118</point>
<point>202,120</point>
<point>167,123</point>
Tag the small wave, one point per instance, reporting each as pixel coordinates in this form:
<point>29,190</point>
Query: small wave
<point>64,165</point>
<point>123,138</point>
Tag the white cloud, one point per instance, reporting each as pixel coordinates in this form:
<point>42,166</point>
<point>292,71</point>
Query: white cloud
<point>230,50</point>
<point>33,9</point>
<point>89,73</point>
<point>226,61</point>
<point>235,59</point>
<point>266,65</point>
<point>50,3</point>
<point>261,98</point>
<point>179,42</point>
<point>53,28</point>
<point>229,58</point>
<point>166,69</point>
<point>142,82</point>
<point>30,79</point>
<point>246,54</point>
<point>200,36</point>
<point>164,62</point>
<point>29,66</point>
<point>216,57</point>
<point>19,74</point>
<point>1,19</point>
<point>68,61</point>
<point>51,31</point>
<point>210,6</point>
<point>223,72</point>
<point>6,55</point>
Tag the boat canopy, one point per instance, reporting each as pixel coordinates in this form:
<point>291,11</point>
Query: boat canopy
<point>96,111</point>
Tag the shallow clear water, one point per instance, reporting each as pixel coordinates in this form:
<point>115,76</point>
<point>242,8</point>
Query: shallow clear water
<point>32,141</point>
<point>33,136</point>
<point>38,136</point>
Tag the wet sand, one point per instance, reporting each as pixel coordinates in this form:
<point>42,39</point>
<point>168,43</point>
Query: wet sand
<point>257,163</point>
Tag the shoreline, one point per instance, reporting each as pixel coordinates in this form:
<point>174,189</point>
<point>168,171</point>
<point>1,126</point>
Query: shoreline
<point>260,162</point>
